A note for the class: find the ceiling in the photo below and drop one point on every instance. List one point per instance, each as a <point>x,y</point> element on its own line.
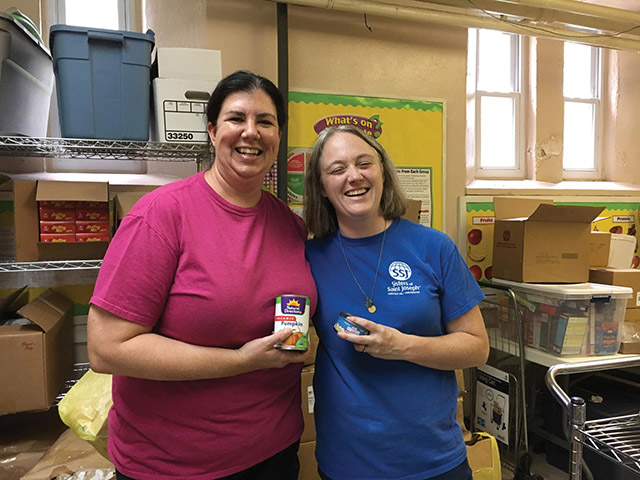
<point>605,23</point>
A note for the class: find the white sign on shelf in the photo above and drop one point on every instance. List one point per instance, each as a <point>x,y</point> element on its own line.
<point>492,403</point>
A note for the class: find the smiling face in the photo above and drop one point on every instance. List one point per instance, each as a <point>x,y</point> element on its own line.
<point>246,138</point>
<point>352,180</point>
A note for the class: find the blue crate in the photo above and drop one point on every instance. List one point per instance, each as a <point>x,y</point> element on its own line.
<point>102,82</point>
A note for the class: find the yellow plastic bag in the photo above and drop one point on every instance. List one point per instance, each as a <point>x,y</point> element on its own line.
<point>84,409</point>
<point>484,457</point>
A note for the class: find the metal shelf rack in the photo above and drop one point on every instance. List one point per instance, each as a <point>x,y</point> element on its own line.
<point>615,438</point>
<point>104,149</point>
<point>61,265</point>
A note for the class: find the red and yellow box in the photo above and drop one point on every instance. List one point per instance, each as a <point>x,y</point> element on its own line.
<point>94,214</point>
<point>58,227</point>
<point>57,237</point>
<point>92,237</point>
<point>91,227</point>
<point>51,214</point>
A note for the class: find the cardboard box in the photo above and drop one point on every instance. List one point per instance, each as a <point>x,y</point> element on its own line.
<point>308,464</point>
<point>548,245</point>
<point>627,277</point>
<point>188,63</point>
<point>308,402</point>
<point>314,341</point>
<point>629,347</point>
<point>413,210</point>
<point>179,111</point>
<point>36,358</point>
<point>632,315</point>
<point>77,192</point>
<point>123,202</point>
<point>611,250</point>
<point>185,79</point>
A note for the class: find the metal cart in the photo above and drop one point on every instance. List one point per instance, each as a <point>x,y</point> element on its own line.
<point>506,339</point>
<point>617,438</point>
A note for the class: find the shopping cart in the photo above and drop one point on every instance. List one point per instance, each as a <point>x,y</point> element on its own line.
<point>616,438</point>
<point>507,354</point>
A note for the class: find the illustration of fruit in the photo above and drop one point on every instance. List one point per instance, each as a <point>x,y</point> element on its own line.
<point>635,261</point>
<point>477,271</point>
<point>616,229</point>
<point>474,236</point>
<point>488,272</point>
<point>632,230</point>
<point>475,258</point>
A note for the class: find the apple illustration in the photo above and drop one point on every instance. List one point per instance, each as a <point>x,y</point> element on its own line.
<point>477,272</point>
<point>616,229</point>
<point>488,272</point>
<point>635,261</point>
<point>474,236</point>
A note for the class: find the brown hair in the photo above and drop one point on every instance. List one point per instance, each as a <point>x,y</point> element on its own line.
<point>319,213</point>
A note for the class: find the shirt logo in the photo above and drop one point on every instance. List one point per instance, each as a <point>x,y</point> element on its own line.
<point>400,271</point>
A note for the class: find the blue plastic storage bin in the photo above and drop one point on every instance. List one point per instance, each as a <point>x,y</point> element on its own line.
<point>102,82</point>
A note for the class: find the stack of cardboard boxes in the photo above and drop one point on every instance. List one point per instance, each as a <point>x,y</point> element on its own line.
<point>610,266</point>
<point>307,452</point>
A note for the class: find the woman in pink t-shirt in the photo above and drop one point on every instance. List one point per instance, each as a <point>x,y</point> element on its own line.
<point>182,311</point>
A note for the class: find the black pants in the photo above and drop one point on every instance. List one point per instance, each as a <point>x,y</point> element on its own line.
<point>284,465</point>
<point>461,472</point>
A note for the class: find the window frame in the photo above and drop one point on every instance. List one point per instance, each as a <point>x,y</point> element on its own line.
<point>518,170</point>
<point>594,173</point>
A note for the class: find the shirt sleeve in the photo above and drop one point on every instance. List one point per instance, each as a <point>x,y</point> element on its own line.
<point>460,291</point>
<point>137,272</point>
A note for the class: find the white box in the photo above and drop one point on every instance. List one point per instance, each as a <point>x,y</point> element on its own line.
<point>189,63</point>
<point>179,112</point>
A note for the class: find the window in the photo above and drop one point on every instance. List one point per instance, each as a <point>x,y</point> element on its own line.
<point>582,129</point>
<point>498,138</point>
<point>106,14</point>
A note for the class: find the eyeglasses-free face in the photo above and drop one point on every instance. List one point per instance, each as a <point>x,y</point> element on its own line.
<point>352,178</point>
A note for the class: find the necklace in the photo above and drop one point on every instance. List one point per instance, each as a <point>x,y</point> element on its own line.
<point>368,302</point>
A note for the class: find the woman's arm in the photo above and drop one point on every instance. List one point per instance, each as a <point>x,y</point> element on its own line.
<point>121,347</point>
<point>464,345</point>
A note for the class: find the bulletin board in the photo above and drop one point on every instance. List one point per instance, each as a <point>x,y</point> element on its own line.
<point>476,220</point>
<point>411,131</point>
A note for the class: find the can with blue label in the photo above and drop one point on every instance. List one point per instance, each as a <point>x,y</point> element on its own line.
<point>344,325</point>
<point>293,311</point>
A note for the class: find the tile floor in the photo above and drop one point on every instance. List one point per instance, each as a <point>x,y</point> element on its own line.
<point>539,467</point>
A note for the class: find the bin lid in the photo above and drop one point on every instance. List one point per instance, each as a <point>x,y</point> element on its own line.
<point>149,36</point>
<point>568,290</point>
<point>10,22</point>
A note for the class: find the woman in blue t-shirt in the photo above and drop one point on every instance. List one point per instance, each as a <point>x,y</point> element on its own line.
<point>385,401</point>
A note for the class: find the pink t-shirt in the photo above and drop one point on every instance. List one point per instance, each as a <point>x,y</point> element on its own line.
<point>201,270</point>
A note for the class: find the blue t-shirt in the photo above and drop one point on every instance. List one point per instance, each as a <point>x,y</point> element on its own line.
<point>388,419</point>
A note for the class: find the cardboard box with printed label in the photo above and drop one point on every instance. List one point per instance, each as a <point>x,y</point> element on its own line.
<point>185,79</point>
<point>537,242</point>
<point>36,353</point>
<point>611,250</point>
<point>27,194</point>
<point>308,463</point>
<point>123,202</point>
<point>627,277</point>
<point>308,402</point>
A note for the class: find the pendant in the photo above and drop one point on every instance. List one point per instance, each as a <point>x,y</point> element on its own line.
<point>370,306</point>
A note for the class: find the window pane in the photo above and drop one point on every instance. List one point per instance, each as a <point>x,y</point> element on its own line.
<point>578,71</point>
<point>497,133</point>
<point>494,61</point>
<point>94,13</point>
<point>579,142</point>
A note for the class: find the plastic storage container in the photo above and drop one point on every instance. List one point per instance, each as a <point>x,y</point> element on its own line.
<point>102,82</point>
<point>26,80</point>
<point>571,319</point>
